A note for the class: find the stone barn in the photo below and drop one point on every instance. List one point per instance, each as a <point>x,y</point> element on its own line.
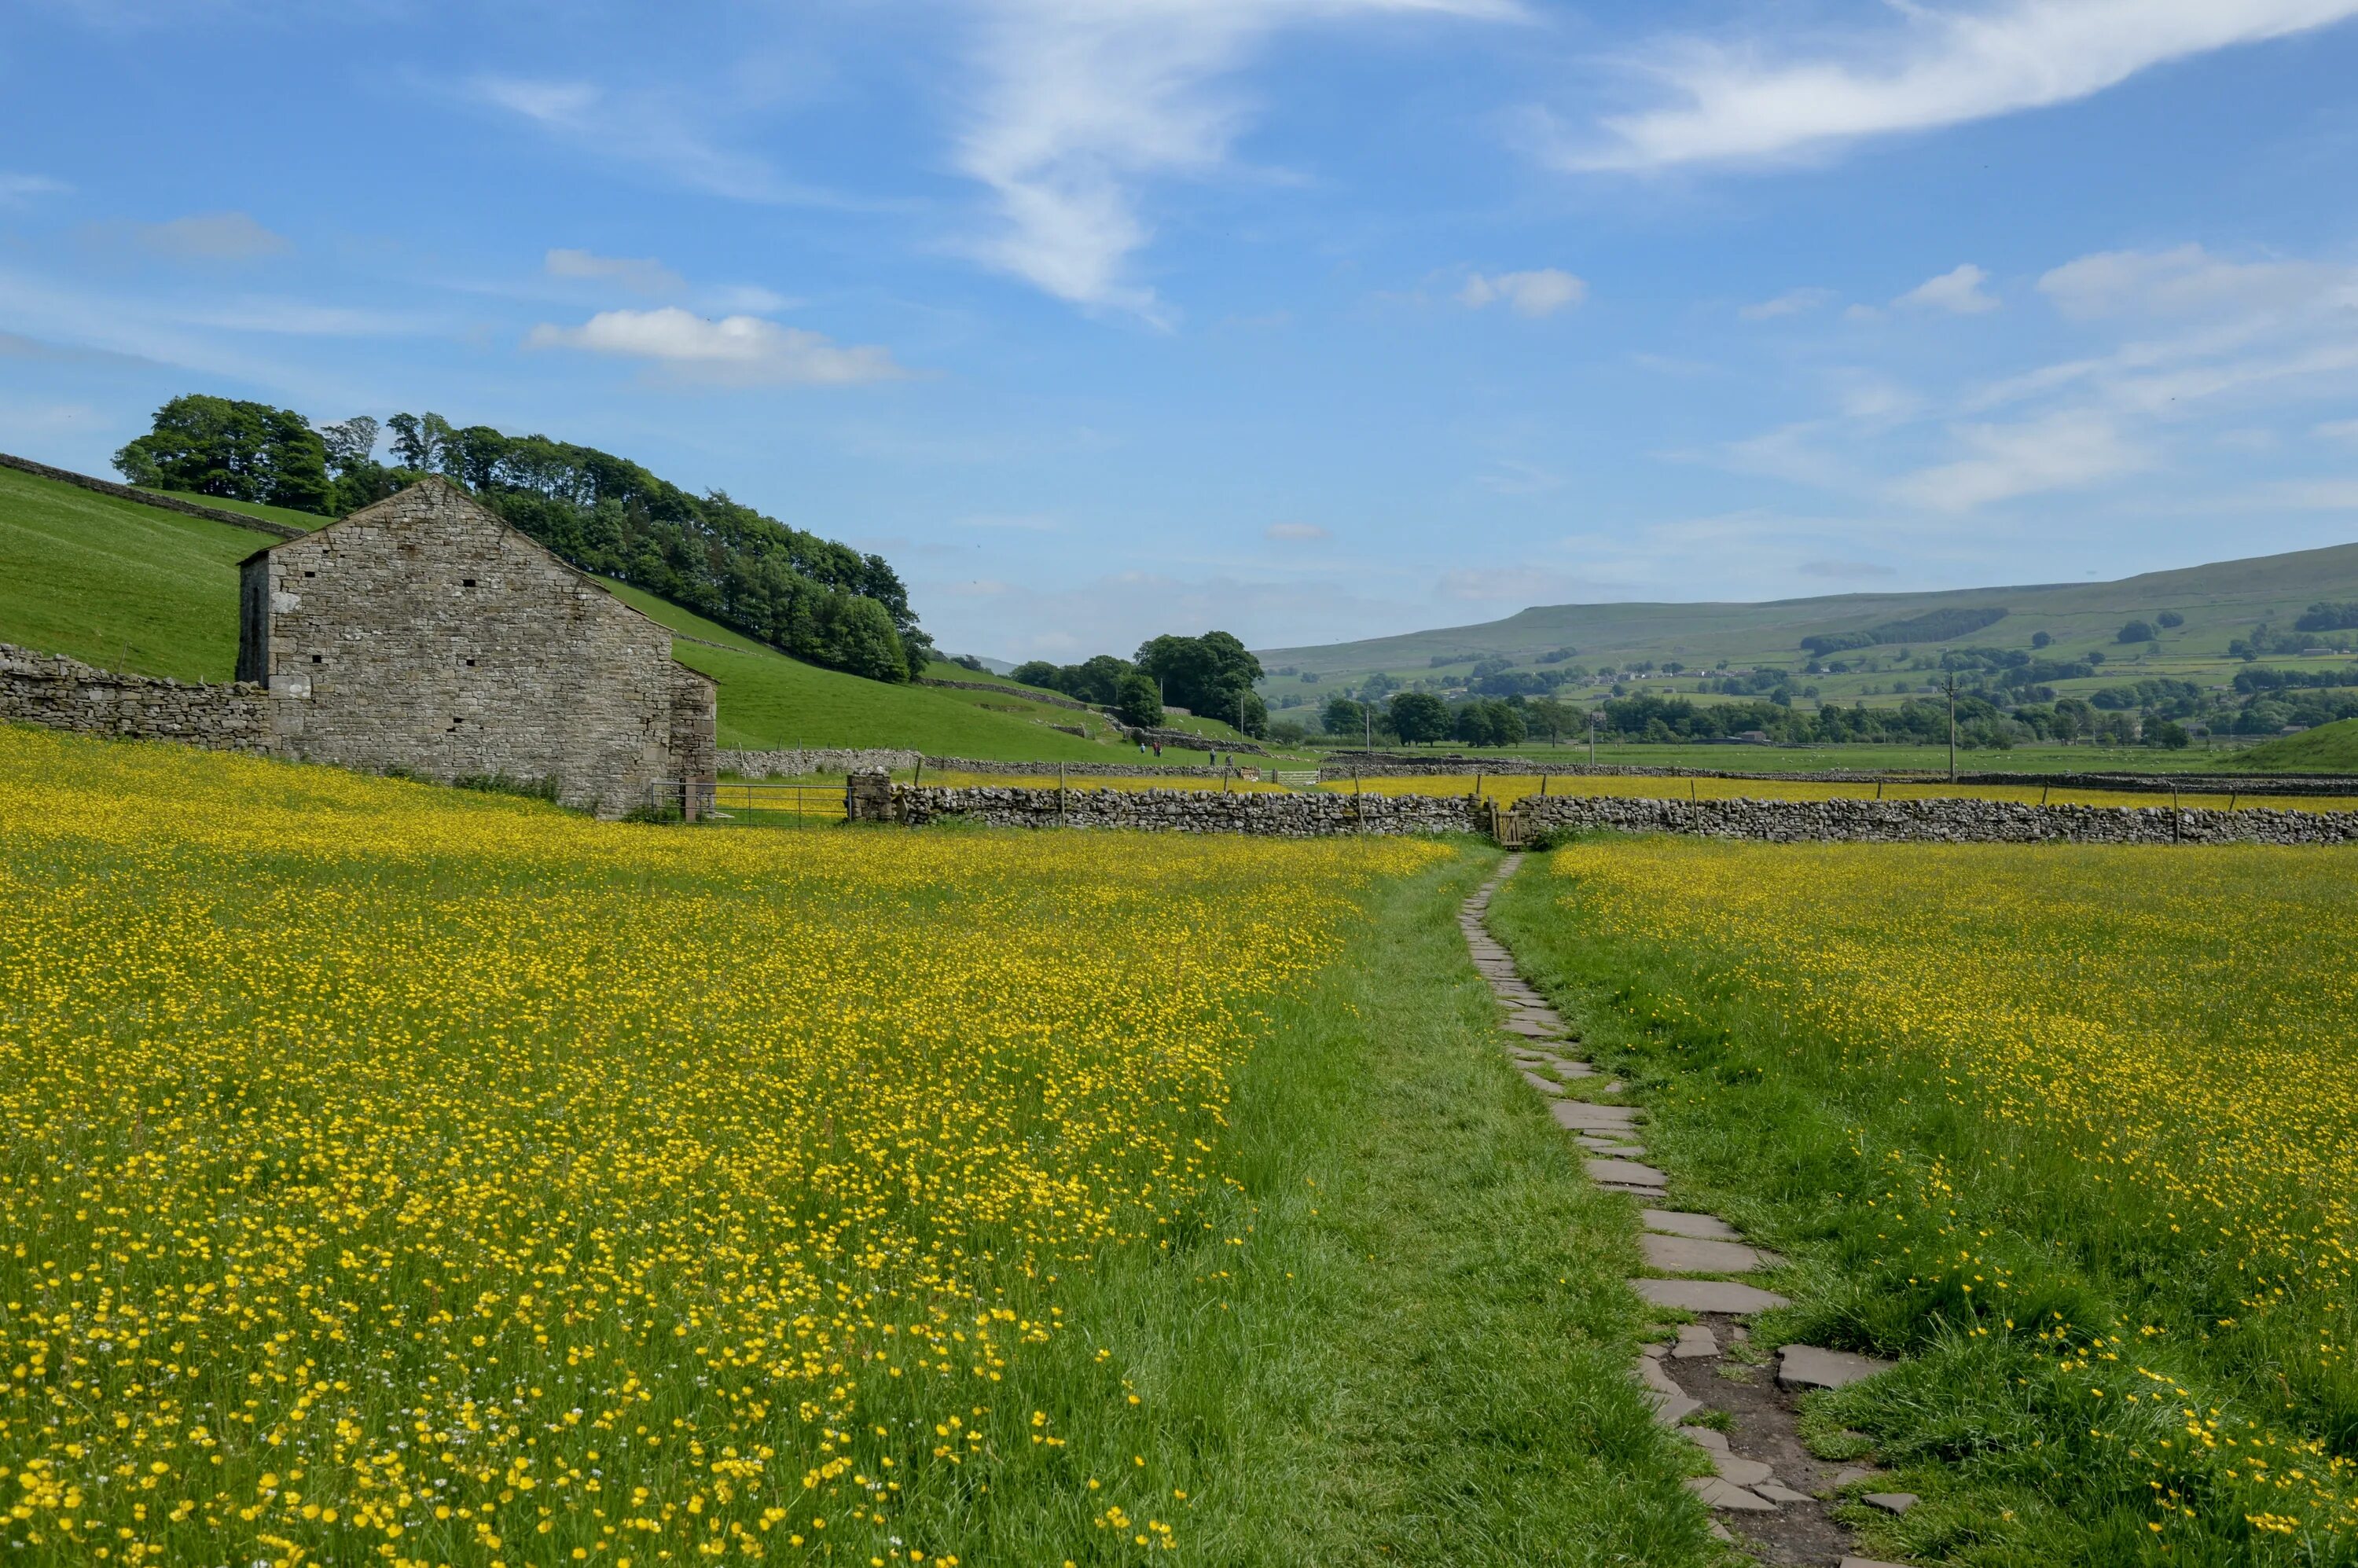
<point>423,634</point>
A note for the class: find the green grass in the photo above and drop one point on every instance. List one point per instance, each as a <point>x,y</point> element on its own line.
<point>117,584</point>
<point>768,700</point>
<point>1862,759</point>
<point>2086,1123</point>
<point>2328,749</point>
<point>306,521</point>
<point>550,1152</point>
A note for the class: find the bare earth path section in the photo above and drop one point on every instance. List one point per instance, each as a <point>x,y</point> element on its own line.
<point>1771,1494</point>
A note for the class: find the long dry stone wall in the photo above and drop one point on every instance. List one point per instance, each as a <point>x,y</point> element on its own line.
<point>58,693</point>
<point>1185,810</point>
<point>1776,821</point>
<point>150,498</point>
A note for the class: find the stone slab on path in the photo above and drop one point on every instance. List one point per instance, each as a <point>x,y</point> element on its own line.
<point>1545,1086</point>
<point>1533,1025</point>
<point>1741,1471</point>
<point>1695,1339</point>
<point>1869,1562</point>
<point>1624,1174</point>
<point>1808,1367</point>
<point>1708,1295</point>
<point>1676,1222</point>
<point>1584,1116</point>
<point>1891,1502</point>
<point>1718,1494</point>
<point>1694,1255</point>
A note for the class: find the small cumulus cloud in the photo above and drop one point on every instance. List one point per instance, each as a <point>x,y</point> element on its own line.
<point>641,274</point>
<point>211,237</point>
<point>1297,533</point>
<point>740,350</point>
<point>2063,451</point>
<point>1540,293</point>
<point>1843,571</point>
<point>1958,291</point>
<point>1792,302</point>
<point>16,187</point>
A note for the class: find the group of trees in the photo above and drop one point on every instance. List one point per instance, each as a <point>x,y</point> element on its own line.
<point>807,596</point>
<point>1211,675</point>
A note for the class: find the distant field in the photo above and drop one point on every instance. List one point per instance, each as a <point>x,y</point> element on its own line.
<point>1208,780</point>
<point>1876,759</point>
<point>2328,749</point>
<point>1510,787</point>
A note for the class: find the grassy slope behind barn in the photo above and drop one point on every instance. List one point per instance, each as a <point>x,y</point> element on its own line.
<point>150,591</point>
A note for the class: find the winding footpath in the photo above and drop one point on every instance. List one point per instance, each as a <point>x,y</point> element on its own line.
<point>1771,1494</point>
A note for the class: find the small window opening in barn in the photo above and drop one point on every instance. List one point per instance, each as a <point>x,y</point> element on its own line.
<point>467,582</point>
<point>315,658</point>
<point>471,664</point>
<point>310,574</point>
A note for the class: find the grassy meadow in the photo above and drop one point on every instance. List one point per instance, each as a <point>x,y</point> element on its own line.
<point>413,1176</point>
<point>2072,1130</point>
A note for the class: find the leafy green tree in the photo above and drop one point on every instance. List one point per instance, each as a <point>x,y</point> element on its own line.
<point>1136,701</point>
<point>1419,716</point>
<point>220,445</point>
<point>2135,631</point>
<point>2170,620</point>
<point>350,443</point>
<point>1343,717</point>
<point>1207,675</point>
<point>2041,639</point>
<point>1035,672</point>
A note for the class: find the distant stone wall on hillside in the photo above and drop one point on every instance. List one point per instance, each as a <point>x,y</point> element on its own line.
<point>151,498</point>
<point>1341,766</point>
<point>794,763</point>
<point>59,693</point>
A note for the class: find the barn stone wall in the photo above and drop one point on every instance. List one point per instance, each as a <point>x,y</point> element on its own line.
<point>424,633</point>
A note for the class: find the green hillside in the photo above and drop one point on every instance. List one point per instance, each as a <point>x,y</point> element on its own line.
<point>2219,602</point>
<point>155,593</point>
<point>769,700</point>
<point>2328,749</point>
<point>306,521</point>
<point>115,583</point>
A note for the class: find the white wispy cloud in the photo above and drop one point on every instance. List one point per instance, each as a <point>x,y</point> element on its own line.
<point>2066,451</point>
<point>1540,293</point>
<point>1958,290</point>
<point>2337,431</point>
<point>1792,302</point>
<point>16,187</point>
<point>666,133</point>
<point>641,274</point>
<point>1738,99</point>
<point>734,350</point>
<point>1296,533</point>
<point>211,237</point>
<point>1081,103</point>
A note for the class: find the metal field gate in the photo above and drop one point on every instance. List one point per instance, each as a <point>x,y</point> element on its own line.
<point>750,802</point>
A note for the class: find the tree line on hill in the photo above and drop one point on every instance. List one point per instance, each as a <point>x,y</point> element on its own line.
<point>1211,676</point>
<point>810,597</point>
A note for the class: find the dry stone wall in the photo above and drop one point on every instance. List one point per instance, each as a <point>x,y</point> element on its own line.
<point>1940,821</point>
<point>58,693</point>
<point>1342,766</point>
<point>151,498</point>
<point>1185,811</point>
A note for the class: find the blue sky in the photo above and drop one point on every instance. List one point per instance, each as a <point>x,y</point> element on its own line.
<point>1304,318</point>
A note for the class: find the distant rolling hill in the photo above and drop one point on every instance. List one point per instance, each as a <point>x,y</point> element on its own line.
<point>2219,602</point>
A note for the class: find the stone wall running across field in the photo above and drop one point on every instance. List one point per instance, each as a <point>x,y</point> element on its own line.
<point>58,693</point>
<point>151,498</point>
<point>1946,821</point>
<point>1294,815</point>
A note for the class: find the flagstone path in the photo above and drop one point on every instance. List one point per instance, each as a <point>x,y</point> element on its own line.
<point>1770,1492</point>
